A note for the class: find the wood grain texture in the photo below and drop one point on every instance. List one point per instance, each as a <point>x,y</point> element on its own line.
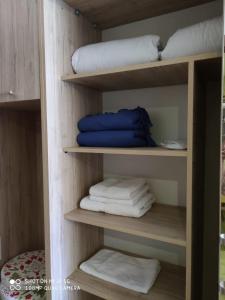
<point>112,13</point>
<point>22,105</point>
<point>141,76</point>
<point>162,223</point>
<point>21,199</point>
<point>160,73</point>
<point>19,50</point>
<point>157,151</point>
<point>44,143</point>
<point>170,285</point>
<point>67,178</point>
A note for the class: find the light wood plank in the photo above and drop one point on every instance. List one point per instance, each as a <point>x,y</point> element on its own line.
<point>19,71</point>
<point>160,73</point>
<point>44,144</point>
<point>157,151</point>
<point>170,285</point>
<point>25,105</point>
<point>162,223</point>
<point>66,179</point>
<point>111,13</point>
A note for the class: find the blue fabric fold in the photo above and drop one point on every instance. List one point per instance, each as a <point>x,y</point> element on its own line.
<point>119,138</point>
<point>124,119</point>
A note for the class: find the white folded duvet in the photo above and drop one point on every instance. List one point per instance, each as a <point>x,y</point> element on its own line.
<point>117,53</point>
<point>199,38</point>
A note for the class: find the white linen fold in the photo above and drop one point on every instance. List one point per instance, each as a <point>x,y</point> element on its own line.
<point>132,201</point>
<point>138,274</point>
<point>136,211</point>
<point>117,188</point>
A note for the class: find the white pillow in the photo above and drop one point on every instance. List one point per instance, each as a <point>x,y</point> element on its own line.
<point>199,38</point>
<point>118,53</point>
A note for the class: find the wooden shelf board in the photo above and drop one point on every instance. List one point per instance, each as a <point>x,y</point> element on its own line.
<point>160,73</point>
<point>110,13</point>
<point>162,223</point>
<point>156,151</point>
<point>21,105</point>
<point>170,285</point>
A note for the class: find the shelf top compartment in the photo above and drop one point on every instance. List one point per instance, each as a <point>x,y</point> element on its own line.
<point>105,14</point>
<point>170,285</point>
<point>156,151</point>
<point>162,223</point>
<point>159,73</point>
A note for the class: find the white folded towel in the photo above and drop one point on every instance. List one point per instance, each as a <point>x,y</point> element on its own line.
<point>118,188</point>
<point>132,202</point>
<point>136,211</point>
<point>130,272</point>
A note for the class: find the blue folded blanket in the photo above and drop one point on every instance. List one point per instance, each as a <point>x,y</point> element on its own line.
<point>124,119</point>
<point>120,138</point>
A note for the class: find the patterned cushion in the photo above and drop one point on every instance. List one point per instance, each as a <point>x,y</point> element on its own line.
<point>26,271</point>
<point>6,294</point>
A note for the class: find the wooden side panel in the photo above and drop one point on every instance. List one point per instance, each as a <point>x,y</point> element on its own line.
<point>21,201</point>
<point>206,185</point>
<point>198,185</point>
<point>190,117</point>
<point>67,176</point>
<point>212,191</point>
<point>19,54</point>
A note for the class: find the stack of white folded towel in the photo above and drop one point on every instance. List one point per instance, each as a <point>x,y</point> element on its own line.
<point>138,274</point>
<point>117,196</point>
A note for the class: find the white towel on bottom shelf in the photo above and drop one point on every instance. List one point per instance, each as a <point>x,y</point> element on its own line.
<point>136,211</point>
<point>131,201</point>
<point>118,188</point>
<point>130,272</point>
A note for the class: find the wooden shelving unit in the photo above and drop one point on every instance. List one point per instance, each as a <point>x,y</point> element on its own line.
<point>160,73</point>
<point>111,13</point>
<point>172,225</point>
<point>68,177</point>
<point>162,223</point>
<point>128,151</point>
<point>170,285</point>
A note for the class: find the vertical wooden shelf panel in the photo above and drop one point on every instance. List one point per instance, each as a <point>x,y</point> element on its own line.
<point>68,178</point>
<point>190,112</point>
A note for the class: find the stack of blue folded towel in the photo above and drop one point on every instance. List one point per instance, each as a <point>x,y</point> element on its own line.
<point>126,128</point>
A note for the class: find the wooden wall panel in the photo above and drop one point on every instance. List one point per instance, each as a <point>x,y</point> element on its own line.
<point>21,201</point>
<point>67,177</point>
<point>19,54</point>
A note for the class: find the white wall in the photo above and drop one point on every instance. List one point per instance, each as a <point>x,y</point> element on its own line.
<point>167,24</point>
<point>167,109</point>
